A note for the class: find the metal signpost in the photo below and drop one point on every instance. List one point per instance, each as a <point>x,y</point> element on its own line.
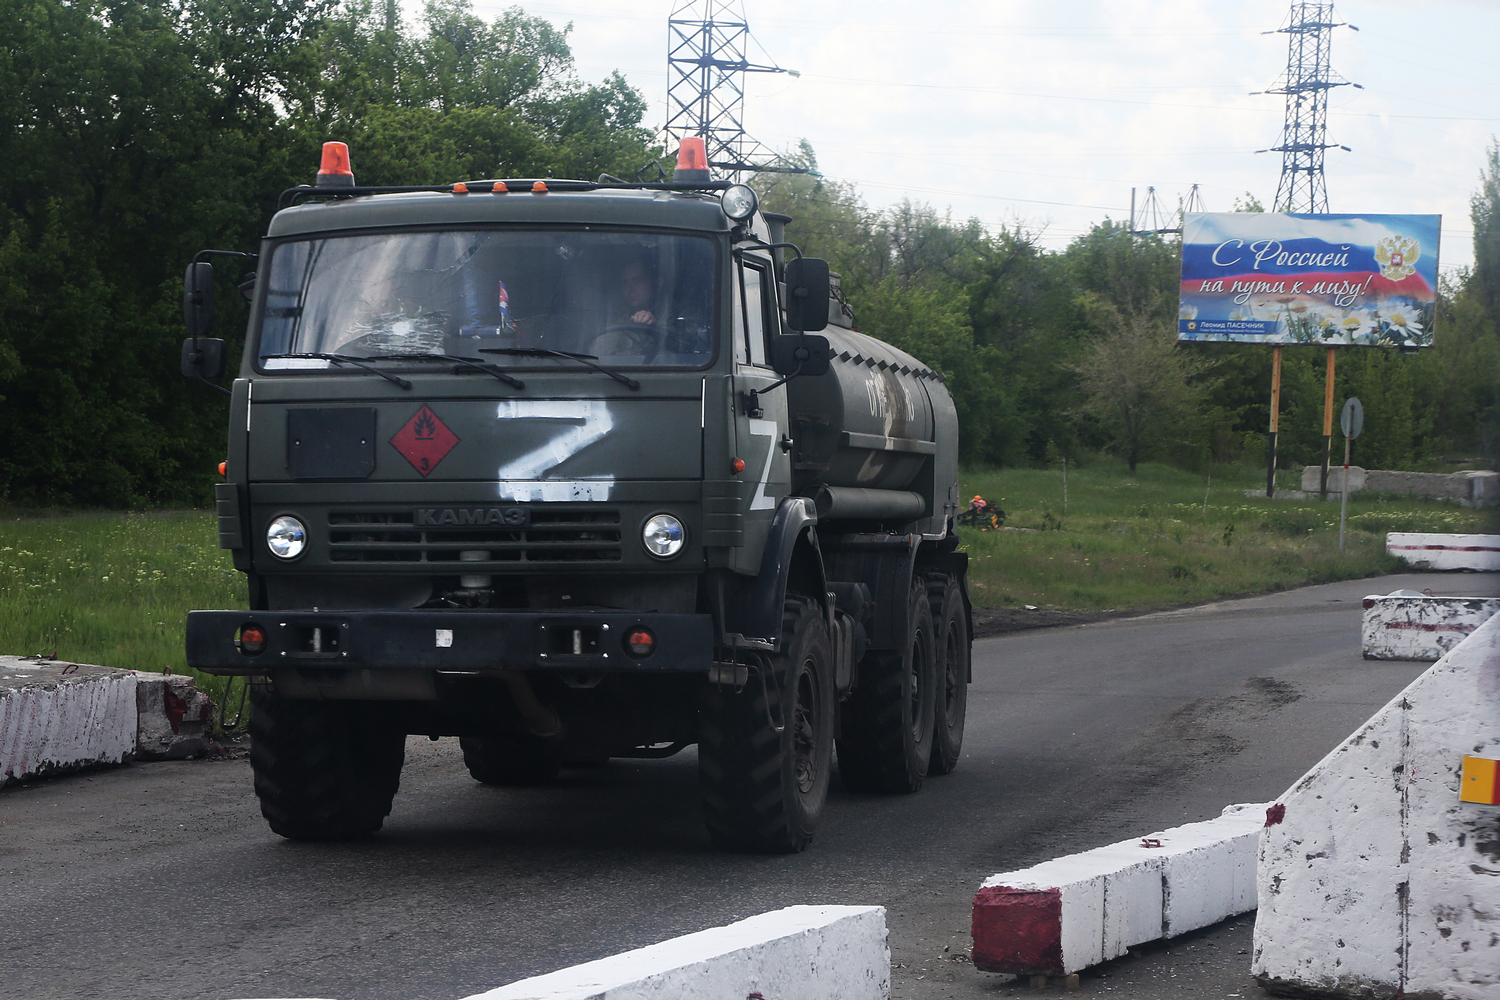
<point>1351,422</point>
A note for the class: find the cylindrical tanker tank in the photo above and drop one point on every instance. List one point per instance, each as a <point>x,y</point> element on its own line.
<point>878,420</point>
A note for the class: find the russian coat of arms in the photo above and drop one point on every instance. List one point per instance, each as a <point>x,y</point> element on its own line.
<point>1396,255</point>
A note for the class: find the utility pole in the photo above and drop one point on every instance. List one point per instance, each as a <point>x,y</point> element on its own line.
<point>706,61</point>
<point>1154,219</point>
<point>1304,135</point>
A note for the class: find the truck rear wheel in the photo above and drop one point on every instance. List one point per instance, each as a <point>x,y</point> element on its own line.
<point>511,760</point>
<point>951,641</point>
<point>764,790</point>
<point>885,738</point>
<point>324,770</point>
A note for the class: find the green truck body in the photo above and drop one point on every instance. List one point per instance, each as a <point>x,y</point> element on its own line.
<point>547,471</point>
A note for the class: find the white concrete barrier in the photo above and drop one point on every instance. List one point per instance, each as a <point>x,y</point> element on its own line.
<point>1410,626</point>
<point>56,715</point>
<point>1443,551</point>
<point>1067,914</point>
<point>1379,881</point>
<point>812,952</point>
<point>175,718</point>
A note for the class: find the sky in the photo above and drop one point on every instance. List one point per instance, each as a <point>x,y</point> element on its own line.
<point>1047,114</point>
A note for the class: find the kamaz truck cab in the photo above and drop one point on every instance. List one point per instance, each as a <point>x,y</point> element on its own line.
<point>561,468</point>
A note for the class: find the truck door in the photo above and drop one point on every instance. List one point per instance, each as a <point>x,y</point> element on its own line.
<point>760,437</point>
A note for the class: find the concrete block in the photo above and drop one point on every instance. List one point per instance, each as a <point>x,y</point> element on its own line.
<point>1471,489</point>
<point>1484,488</point>
<point>57,716</point>
<point>1405,626</point>
<point>1445,551</point>
<point>1312,476</point>
<point>1379,880</point>
<point>1208,870</point>
<point>801,951</point>
<point>176,719</point>
<point>1067,914</point>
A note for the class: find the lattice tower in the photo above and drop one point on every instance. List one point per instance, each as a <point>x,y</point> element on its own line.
<point>1309,77</point>
<point>706,62</point>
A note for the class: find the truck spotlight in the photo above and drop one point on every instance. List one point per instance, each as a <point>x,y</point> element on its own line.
<point>663,536</point>
<point>252,639</point>
<point>639,641</point>
<point>738,202</point>
<point>286,537</point>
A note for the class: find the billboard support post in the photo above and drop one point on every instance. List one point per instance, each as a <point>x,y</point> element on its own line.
<point>1327,425</point>
<point>1275,420</point>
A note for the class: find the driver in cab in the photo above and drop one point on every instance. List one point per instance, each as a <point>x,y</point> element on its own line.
<point>632,319</point>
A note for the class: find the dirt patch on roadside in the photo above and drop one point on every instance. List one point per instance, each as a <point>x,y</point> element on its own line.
<point>998,621</point>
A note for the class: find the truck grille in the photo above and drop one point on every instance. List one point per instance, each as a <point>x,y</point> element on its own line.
<point>554,536</point>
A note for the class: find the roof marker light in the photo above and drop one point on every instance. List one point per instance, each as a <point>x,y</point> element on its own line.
<point>335,170</point>
<point>692,161</point>
<point>499,188</point>
<point>540,187</point>
<point>460,188</point>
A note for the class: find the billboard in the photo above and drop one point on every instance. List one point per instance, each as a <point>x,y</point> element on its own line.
<point>1334,280</point>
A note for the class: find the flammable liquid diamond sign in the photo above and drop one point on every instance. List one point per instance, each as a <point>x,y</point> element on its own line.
<point>1333,280</point>
<point>424,441</point>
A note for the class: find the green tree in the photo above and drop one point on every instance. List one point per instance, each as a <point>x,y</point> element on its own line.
<point>1136,380</point>
<point>1485,213</point>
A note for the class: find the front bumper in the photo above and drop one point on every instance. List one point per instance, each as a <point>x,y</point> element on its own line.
<point>447,641</point>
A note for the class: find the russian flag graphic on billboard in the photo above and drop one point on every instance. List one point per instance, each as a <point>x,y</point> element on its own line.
<point>1335,280</point>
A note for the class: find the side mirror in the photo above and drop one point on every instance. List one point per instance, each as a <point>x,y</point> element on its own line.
<point>806,294</point>
<point>202,358</point>
<point>799,355</point>
<point>198,298</point>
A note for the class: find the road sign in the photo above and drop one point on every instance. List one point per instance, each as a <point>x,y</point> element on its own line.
<point>1352,418</point>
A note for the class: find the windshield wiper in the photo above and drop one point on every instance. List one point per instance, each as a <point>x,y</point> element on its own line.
<point>547,352</point>
<point>344,359</point>
<point>475,363</point>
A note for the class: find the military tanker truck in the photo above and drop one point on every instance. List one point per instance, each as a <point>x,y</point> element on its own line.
<point>565,469</point>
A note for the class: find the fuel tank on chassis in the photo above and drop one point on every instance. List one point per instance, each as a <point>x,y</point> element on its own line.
<point>404,493</point>
<point>878,420</point>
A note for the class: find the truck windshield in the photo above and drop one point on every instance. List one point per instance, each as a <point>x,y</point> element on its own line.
<point>628,299</point>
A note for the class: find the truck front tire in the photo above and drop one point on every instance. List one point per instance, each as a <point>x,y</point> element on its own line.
<point>764,790</point>
<point>324,770</point>
<point>885,738</point>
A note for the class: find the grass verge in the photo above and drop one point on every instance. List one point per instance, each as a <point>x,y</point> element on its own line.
<point>1165,536</point>
<point>112,589</point>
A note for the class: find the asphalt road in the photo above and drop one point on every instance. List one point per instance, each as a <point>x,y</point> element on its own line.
<point>157,880</point>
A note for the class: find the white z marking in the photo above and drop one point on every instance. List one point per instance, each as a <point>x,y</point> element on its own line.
<point>766,429</point>
<point>522,479</point>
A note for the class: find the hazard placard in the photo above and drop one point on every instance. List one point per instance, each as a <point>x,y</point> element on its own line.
<point>1480,781</point>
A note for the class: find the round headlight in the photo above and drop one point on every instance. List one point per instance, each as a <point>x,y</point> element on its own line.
<point>286,537</point>
<point>739,202</point>
<point>663,536</point>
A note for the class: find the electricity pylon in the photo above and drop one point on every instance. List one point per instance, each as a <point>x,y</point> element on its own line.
<point>1309,77</point>
<point>706,63</point>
